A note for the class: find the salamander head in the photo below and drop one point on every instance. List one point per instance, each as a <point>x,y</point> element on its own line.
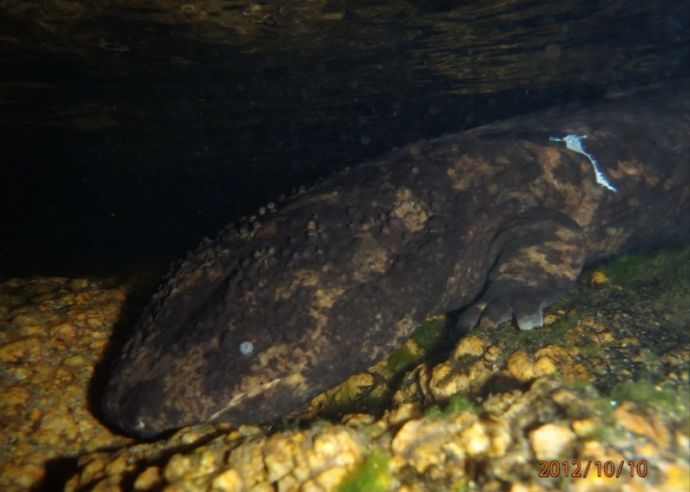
<point>238,378</point>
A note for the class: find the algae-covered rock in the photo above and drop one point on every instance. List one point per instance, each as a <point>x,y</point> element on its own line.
<point>590,387</point>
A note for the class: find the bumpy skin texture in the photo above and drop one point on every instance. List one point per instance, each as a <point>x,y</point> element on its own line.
<point>497,220</point>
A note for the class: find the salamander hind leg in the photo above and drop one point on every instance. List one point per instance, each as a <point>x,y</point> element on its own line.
<point>540,256</point>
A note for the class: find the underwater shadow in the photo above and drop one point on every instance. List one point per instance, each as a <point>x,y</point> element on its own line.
<point>138,296</point>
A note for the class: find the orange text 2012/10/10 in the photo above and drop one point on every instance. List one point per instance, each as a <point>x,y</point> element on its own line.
<point>585,468</point>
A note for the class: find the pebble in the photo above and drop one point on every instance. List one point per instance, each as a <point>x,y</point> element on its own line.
<point>551,441</point>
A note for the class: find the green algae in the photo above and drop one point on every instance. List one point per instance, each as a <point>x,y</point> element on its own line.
<point>662,275</point>
<point>456,404</point>
<point>464,484</point>
<point>512,339</point>
<point>429,334</point>
<point>646,393</point>
<point>404,358</point>
<point>642,392</point>
<point>669,266</point>
<point>371,475</point>
<point>425,338</point>
<point>606,431</point>
<point>590,350</point>
<point>350,397</point>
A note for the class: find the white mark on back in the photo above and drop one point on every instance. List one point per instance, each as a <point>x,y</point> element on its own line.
<point>574,143</point>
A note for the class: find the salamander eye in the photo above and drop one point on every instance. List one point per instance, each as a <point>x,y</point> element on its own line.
<point>246,348</point>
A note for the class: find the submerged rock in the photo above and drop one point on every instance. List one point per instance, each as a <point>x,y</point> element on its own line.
<point>574,392</point>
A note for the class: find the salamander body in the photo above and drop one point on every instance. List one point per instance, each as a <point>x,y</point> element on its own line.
<point>497,221</point>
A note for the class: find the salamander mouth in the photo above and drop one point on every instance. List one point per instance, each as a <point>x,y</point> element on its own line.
<point>268,401</point>
<point>131,411</point>
<point>241,398</point>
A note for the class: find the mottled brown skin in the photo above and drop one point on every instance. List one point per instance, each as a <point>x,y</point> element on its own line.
<point>497,220</point>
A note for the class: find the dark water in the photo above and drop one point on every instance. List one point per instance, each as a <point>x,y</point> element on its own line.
<point>128,133</point>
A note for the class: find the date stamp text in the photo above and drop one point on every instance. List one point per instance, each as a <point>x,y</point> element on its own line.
<point>585,468</point>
